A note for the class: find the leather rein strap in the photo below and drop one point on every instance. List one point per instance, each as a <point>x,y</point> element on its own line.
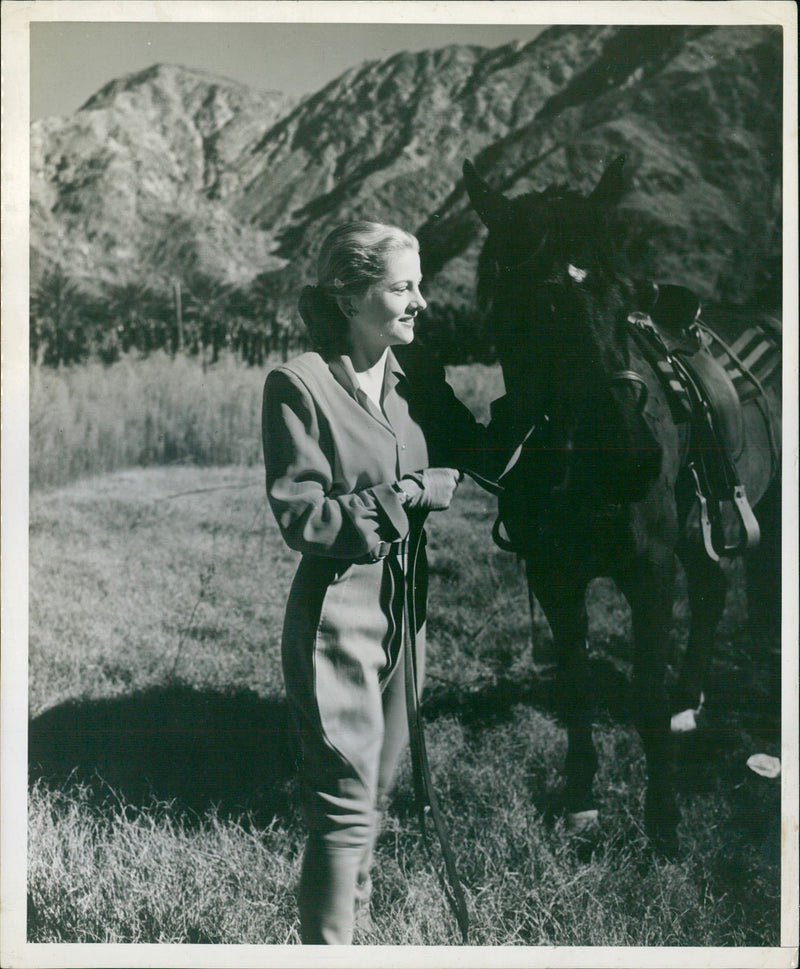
<point>425,796</point>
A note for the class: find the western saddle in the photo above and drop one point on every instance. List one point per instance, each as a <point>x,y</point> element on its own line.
<point>706,382</point>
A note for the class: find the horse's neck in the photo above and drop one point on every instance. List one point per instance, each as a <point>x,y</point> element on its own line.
<point>528,390</point>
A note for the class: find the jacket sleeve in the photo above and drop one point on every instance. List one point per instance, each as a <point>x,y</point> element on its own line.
<point>455,438</point>
<point>313,519</point>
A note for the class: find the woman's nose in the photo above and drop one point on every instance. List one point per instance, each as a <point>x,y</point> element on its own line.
<point>418,299</point>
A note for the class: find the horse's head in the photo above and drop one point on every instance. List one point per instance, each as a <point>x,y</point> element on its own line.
<point>559,316</point>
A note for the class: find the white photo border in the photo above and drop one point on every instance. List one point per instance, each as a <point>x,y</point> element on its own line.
<point>17,16</point>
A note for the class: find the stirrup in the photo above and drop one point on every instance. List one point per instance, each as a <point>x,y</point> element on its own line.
<point>711,522</point>
<point>749,531</point>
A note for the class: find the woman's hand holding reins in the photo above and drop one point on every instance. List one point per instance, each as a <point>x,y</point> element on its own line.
<point>431,489</point>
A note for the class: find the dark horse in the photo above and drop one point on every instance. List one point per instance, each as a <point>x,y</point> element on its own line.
<point>603,486</point>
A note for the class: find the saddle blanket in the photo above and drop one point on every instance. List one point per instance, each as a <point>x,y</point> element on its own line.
<point>698,362</point>
<point>755,354</point>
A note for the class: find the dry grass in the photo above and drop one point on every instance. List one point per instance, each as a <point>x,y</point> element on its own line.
<point>91,419</point>
<point>165,807</point>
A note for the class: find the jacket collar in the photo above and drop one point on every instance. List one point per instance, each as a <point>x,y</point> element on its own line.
<point>341,367</point>
<point>342,370</point>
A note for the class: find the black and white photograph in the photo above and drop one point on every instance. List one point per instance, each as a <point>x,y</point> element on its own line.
<point>399,550</point>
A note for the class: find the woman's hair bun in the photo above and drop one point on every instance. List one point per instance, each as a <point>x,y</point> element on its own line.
<point>324,320</point>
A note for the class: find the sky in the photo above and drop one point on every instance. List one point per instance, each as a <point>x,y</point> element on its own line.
<point>71,61</point>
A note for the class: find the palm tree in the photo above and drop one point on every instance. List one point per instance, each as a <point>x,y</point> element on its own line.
<point>138,314</point>
<point>58,318</point>
<point>208,304</point>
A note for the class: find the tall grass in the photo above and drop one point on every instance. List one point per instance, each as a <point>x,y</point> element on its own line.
<point>94,418</point>
<point>91,419</point>
<point>154,875</point>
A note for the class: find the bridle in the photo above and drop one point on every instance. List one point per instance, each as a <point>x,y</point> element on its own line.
<point>615,379</point>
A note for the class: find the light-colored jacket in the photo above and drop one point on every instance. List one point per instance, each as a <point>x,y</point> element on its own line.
<point>333,458</point>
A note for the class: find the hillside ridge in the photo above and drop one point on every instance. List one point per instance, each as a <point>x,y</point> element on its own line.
<point>172,172</point>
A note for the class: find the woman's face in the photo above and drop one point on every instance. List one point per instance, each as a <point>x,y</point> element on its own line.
<point>385,314</point>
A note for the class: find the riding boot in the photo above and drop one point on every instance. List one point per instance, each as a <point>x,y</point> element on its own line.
<point>363,917</point>
<point>327,892</point>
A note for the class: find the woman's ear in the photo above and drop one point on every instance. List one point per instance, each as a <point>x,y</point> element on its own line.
<point>345,304</point>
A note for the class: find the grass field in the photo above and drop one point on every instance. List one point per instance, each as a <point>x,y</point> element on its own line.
<point>163,803</point>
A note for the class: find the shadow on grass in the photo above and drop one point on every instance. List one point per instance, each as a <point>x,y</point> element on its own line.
<point>234,750</point>
<point>199,748</point>
<point>494,703</point>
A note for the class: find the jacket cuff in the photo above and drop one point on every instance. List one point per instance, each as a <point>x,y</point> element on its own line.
<point>390,502</point>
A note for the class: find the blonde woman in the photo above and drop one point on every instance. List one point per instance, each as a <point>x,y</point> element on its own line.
<point>356,444</point>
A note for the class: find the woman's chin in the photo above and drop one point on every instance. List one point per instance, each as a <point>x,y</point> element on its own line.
<point>404,333</point>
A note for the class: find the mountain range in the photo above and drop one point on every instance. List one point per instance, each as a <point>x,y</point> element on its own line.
<point>170,173</point>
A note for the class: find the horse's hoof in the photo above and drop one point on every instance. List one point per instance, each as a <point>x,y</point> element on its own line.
<point>665,845</point>
<point>764,765</point>
<point>683,722</point>
<point>663,838</point>
<point>661,819</point>
<point>582,822</point>
<point>686,720</point>
<point>584,833</point>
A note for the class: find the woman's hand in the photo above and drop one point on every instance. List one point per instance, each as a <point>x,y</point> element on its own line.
<point>431,489</point>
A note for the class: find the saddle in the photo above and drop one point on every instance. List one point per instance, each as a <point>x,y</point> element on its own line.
<point>701,390</point>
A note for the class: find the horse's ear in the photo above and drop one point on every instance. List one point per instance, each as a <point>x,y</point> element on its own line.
<point>489,205</point>
<point>611,187</point>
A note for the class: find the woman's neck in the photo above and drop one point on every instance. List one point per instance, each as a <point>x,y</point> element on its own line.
<point>371,381</point>
<point>367,363</point>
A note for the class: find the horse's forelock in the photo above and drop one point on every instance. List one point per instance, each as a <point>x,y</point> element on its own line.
<point>554,193</point>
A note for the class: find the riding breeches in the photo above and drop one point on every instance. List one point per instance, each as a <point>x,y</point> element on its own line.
<point>342,659</point>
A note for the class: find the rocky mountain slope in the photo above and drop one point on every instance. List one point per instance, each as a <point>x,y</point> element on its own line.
<point>130,186</point>
<point>171,172</point>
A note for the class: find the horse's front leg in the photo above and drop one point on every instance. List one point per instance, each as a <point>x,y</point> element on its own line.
<point>649,588</point>
<point>706,587</point>
<point>561,594</point>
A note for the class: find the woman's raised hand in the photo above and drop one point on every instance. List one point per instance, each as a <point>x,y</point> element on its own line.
<point>431,489</point>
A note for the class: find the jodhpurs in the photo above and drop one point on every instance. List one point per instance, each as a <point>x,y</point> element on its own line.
<point>343,667</point>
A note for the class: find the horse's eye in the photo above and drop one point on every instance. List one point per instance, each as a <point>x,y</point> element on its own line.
<point>577,274</point>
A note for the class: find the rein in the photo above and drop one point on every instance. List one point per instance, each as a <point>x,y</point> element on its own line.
<point>616,379</point>
<point>424,794</point>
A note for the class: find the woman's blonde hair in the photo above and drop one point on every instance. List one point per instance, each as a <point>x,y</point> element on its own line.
<point>352,257</point>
